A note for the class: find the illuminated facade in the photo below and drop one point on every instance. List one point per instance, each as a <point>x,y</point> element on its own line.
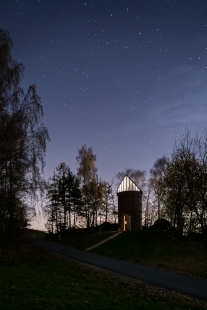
<point>129,205</point>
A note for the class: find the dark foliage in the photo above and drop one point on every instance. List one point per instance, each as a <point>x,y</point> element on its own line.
<point>23,140</point>
<point>161,224</point>
<point>107,226</point>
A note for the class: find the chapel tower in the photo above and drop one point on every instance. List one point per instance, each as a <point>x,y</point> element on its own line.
<point>129,205</point>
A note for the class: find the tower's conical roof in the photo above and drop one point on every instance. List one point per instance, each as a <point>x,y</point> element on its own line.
<point>128,185</point>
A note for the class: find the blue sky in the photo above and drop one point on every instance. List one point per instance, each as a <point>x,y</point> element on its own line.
<point>122,77</point>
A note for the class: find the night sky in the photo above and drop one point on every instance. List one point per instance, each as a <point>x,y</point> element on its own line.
<point>122,77</point>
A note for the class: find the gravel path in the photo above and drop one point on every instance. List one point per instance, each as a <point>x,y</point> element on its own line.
<point>184,284</point>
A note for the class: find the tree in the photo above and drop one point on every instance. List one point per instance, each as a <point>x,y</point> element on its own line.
<point>192,151</point>
<point>171,190</point>
<point>87,170</point>
<point>73,197</point>
<point>23,140</point>
<point>63,171</point>
<point>108,202</point>
<point>148,215</point>
<point>182,187</point>
<point>93,193</point>
<point>174,185</point>
<point>156,175</point>
<point>52,208</point>
<point>64,197</point>
<point>92,189</point>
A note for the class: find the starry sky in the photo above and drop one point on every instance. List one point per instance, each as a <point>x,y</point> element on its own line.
<point>123,77</point>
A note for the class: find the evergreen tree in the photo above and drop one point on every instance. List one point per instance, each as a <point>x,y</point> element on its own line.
<point>64,199</point>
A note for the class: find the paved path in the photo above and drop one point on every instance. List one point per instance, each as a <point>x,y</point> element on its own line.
<point>187,285</point>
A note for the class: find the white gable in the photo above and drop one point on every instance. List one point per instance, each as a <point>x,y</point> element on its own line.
<point>127,185</point>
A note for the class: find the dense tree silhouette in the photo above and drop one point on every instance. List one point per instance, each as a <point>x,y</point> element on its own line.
<point>23,140</point>
<point>182,185</point>
<point>64,200</point>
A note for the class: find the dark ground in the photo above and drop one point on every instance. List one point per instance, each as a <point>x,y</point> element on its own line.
<point>184,284</point>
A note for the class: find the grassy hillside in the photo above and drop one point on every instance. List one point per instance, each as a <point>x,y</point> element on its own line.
<point>32,277</point>
<point>81,239</point>
<point>156,248</point>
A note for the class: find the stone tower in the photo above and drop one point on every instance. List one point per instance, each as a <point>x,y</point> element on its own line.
<point>129,205</point>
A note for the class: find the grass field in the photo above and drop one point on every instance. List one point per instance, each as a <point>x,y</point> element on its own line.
<point>156,248</point>
<point>80,239</point>
<point>32,277</point>
<point>148,247</point>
